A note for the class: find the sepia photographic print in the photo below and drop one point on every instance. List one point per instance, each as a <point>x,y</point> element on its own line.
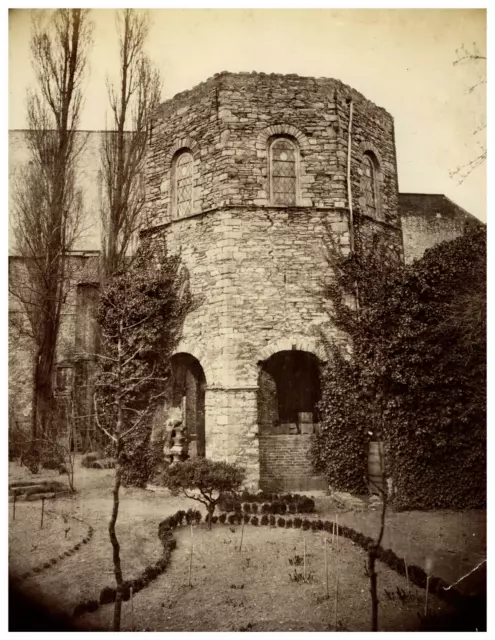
<point>247,320</point>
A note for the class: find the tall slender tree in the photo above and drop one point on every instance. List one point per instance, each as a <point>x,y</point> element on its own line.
<point>123,149</point>
<point>47,205</point>
<point>140,314</point>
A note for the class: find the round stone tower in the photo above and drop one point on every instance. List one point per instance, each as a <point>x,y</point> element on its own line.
<point>246,175</point>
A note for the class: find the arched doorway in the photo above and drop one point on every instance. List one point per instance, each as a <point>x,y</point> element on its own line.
<point>288,395</point>
<point>289,390</point>
<point>188,385</point>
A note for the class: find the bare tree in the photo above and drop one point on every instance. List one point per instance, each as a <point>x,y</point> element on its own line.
<point>472,56</point>
<point>47,204</point>
<point>140,315</point>
<point>124,145</point>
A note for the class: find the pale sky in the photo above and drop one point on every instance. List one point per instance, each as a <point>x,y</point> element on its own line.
<point>400,59</point>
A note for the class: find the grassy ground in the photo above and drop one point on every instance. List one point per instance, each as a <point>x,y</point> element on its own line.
<point>252,589</point>
<point>455,542</point>
<point>30,545</point>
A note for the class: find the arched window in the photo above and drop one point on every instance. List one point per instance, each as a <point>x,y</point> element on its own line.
<point>370,188</point>
<point>182,195</point>
<point>283,171</point>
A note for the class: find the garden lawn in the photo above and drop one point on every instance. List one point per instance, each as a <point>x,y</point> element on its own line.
<point>458,542</point>
<point>30,545</point>
<point>252,589</point>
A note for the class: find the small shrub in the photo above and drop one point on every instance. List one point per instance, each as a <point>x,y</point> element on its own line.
<point>246,507</point>
<point>266,507</point>
<point>211,478</point>
<point>264,520</point>
<point>92,605</point>
<point>254,507</point>
<point>107,595</point>
<point>246,517</point>
<point>79,609</point>
<point>288,523</point>
<point>214,519</point>
<point>281,522</point>
<point>222,517</point>
<point>232,518</point>
<point>254,521</point>
<point>292,507</point>
<point>297,523</point>
<point>306,524</point>
<point>272,520</point>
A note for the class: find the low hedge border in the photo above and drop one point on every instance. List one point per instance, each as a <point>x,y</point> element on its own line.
<point>276,504</point>
<point>40,568</point>
<point>417,575</point>
<point>165,535</point>
<point>95,460</point>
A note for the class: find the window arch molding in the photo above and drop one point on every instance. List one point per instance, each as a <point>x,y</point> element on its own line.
<point>275,130</point>
<point>284,169</point>
<point>371,181</point>
<point>263,145</point>
<point>168,187</point>
<point>182,184</point>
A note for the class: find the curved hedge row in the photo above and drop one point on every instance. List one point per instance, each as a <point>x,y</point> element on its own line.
<point>65,554</point>
<point>266,503</point>
<point>416,574</point>
<point>108,594</point>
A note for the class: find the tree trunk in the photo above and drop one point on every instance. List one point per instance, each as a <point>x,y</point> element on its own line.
<point>211,509</point>
<point>118,474</point>
<point>116,546</point>
<point>34,408</point>
<point>373,588</point>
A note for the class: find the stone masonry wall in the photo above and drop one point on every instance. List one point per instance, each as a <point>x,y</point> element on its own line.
<point>427,220</point>
<point>228,121</point>
<point>257,271</point>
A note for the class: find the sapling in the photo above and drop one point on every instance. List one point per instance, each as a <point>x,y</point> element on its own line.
<point>132,608</point>
<point>429,564</point>
<point>242,536</point>
<point>191,557</point>
<point>326,567</point>
<point>304,556</point>
<point>336,595</point>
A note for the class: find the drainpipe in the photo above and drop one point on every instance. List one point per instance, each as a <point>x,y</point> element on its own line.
<point>349,195</point>
<point>349,186</point>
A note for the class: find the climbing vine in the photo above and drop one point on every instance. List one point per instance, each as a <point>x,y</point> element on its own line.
<point>141,313</point>
<point>413,374</point>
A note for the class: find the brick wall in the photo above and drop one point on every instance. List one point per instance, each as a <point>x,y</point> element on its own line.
<point>285,464</point>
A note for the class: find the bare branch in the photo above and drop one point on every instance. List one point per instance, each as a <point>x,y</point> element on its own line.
<point>124,145</point>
